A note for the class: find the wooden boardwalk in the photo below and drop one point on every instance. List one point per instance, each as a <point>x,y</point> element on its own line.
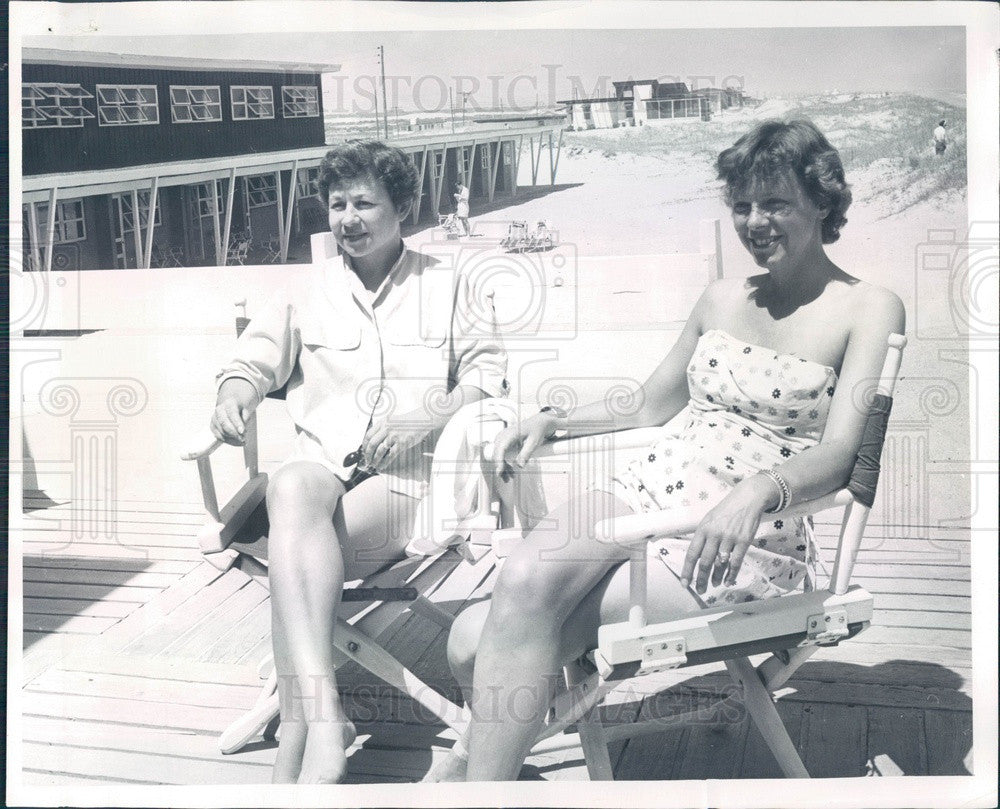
<point>138,653</point>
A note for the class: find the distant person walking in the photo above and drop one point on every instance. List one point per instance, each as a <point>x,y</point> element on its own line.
<point>462,206</point>
<point>940,138</point>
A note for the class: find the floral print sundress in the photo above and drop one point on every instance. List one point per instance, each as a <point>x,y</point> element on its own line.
<point>750,409</point>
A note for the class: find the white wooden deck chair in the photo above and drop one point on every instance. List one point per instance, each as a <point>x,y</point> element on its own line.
<point>790,628</point>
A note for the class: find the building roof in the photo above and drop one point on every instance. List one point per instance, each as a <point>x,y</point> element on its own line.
<point>55,56</point>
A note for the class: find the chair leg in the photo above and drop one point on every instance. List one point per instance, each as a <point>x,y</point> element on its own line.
<point>595,747</point>
<point>760,705</point>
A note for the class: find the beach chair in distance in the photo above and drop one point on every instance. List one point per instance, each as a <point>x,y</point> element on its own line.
<point>235,535</point>
<point>238,252</point>
<point>790,628</point>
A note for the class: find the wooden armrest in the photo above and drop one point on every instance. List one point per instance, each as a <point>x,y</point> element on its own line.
<point>624,439</point>
<point>635,529</point>
<point>201,446</point>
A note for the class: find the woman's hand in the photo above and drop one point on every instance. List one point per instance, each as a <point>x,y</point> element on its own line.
<point>723,536</point>
<point>522,438</point>
<point>386,442</point>
<point>234,405</point>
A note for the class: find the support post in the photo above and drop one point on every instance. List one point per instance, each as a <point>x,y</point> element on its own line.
<point>136,228</point>
<point>36,245</point>
<point>279,206</point>
<point>220,249</point>
<point>227,227</point>
<point>535,160</point>
<point>554,163</point>
<point>710,241</point>
<point>494,164</point>
<point>147,258</point>
<point>293,186</point>
<point>50,229</point>
<point>420,185</point>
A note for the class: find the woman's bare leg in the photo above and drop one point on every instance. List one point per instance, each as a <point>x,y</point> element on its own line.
<point>316,532</point>
<point>545,612</point>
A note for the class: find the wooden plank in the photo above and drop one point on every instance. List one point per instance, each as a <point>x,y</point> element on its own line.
<point>866,656</point>
<point>120,686</point>
<point>163,633</point>
<point>243,637</point>
<point>217,623</point>
<point>652,758</point>
<point>100,660</point>
<point>76,563</point>
<point>914,587</point>
<point>89,592</point>
<point>758,761</point>
<point>116,578</point>
<point>82,607</point>
<point>115,551</point>
<point>835,740</point>
<point>161,741</point>
<point>142,766</point>
<point>922,618</point>
<point>155,611</point>
<point>714,750</point>
<point>135,536</point>
<point>41,778</point>
<point>204,719</point>
<point>896,743</point>
<point>923,602</point>
<point>910,637</point>
<point>949,742</point>
<point>69,624</point>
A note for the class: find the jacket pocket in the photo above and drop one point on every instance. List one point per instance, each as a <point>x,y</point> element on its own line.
<point>338,336</point>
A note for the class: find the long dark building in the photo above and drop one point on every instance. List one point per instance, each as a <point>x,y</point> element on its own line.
<point>150,161</point>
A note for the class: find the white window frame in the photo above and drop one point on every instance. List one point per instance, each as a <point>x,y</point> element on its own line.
<point>242,104</point>
<point>206,198</point>
<point>266,190</point>
<point>299,101</point>
<point>141,104</point>
<point>308,183</point>
<point>188,97</point>
<point>60,106</point>
<point>126,201</point>
<point>64,219</point>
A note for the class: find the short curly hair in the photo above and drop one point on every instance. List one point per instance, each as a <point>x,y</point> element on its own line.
<point>774,147</point>
<point>355,159</point>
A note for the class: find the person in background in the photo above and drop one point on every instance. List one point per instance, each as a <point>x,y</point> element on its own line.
<point>462,206</point>
<point>940,138</point>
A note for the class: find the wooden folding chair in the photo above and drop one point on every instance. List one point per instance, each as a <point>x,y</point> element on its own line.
<point>235,535</point>
<point>790,627</point>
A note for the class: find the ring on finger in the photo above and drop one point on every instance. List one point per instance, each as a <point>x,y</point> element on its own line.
<point>722,558</point>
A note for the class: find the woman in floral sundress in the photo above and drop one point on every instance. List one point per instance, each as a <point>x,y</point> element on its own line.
<point>757,399</point>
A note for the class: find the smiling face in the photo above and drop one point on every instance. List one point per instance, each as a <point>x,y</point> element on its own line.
<point>779,224</point>
<point>365,223</point>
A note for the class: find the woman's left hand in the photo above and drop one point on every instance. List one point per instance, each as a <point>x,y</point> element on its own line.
<point>385,443</point>
<point>721,540</point>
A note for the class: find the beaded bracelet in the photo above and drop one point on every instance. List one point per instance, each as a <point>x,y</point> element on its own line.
<point>784,493</point>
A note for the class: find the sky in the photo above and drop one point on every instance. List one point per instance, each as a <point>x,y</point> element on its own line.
<point>513,68</point>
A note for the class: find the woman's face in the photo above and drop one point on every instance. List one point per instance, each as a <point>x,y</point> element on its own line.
<point>778,224</point>
<point>365,222</point>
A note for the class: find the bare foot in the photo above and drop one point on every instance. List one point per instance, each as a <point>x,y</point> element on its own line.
<point>324,760</point>
<point>451,768</point>
<point>291,746</point>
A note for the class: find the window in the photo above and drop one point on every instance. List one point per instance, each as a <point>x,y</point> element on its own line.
<point>195,105</point>
<point>252,103</point>
<point>261,191</point>
<point>308,183</point>
<point>46,106</point>
<point>299,102</point>
<point>127,105</point>
<point>128,217</point>
<point>70,223</point>
<point>209,203</point>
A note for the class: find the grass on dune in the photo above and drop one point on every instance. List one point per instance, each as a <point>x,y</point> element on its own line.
<point>884,140</point>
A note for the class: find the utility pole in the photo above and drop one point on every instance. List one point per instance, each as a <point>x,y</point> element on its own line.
<point>385,105</point>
